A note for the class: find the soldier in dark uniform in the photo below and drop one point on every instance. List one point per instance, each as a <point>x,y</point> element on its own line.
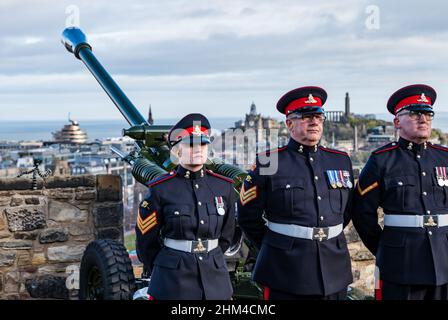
<point>186,222</point>
<point>408,179</point>
<point>296,215</point>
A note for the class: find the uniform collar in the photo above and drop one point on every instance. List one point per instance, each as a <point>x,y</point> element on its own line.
<point>301,148</point>
<point>188,174</point>
<point>412,146</point>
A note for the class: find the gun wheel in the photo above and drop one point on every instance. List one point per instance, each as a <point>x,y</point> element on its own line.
<point>106,272</point>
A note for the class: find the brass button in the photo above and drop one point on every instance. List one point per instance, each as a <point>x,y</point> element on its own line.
<point>288,186</point>
<point>200,258</point>
<point>316,178</point>
<point>319,198</point>
<point>176,213</point>
<point>202,221</point>
<point>430,233</point>
<point>400,183</point>
<point>423,173</point>
<point>424,193</point>
<point>196,186</point>
<point>418,156</point>
<point>199,203</point>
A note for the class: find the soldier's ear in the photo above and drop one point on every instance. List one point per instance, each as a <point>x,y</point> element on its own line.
<point>289,123</point>
<point>175,154</point>
<point>397,123</point>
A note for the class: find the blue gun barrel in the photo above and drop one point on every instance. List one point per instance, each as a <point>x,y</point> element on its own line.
<point>76,42</point>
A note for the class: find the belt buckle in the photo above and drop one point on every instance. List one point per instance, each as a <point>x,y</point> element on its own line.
<point>199,246</point>
<point>430,221</point>
<point>321,234</point>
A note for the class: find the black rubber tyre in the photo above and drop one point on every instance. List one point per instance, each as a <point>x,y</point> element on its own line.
<point>106,272</point>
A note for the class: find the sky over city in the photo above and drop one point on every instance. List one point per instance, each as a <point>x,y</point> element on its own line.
<point>216,57</point>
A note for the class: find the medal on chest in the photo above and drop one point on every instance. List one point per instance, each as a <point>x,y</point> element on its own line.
<point>219,202</point>
<point>339,179</point>
<point>441,176</point>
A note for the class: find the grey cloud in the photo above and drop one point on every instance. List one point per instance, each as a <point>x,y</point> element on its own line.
<point>233,51</point>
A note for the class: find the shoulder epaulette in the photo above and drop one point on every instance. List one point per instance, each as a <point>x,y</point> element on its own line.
<point>387,147</point>
<point>333,151</point>
<point>218,176</point>
<point>272,150</point>
<point>162,178</point>
<point>439,147</point>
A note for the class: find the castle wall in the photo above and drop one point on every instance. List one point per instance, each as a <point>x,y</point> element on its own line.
<point>43,233</point>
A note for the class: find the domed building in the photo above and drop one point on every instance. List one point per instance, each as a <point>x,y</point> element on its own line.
<point>70,133</point>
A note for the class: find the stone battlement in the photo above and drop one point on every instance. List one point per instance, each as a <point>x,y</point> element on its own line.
<point>43,232</point>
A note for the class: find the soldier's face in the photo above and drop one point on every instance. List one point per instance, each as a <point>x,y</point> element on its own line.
<point>193,155</point>
<point>415,129</point>
<point>307,131</point>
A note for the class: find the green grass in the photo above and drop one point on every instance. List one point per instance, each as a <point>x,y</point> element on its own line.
<point>129,241</point>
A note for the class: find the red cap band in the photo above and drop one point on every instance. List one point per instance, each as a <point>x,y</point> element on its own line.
<point>419,99</point>
<point>195,130</point>
<point>302,103</point>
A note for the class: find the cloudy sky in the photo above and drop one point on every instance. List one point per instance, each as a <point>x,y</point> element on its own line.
<point>216,57</point>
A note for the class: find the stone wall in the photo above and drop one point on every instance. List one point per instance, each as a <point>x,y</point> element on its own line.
<point>363,265</point>
<point>43,232</point>
<point>363,262</point>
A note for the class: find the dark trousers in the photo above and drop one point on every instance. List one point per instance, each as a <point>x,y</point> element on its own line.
<point>272,294</point>
<point>394,291</point>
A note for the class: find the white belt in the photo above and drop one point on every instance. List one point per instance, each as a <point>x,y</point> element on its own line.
<point>297,231</point>
<point>192,246</point>
<point>418,221</point>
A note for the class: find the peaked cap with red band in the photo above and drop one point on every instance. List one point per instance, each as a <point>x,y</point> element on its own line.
<point>302,100</point>
<point>416,97</point>
<point>193,128</point>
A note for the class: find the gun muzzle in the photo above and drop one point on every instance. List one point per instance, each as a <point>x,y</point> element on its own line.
<point>74,40</point>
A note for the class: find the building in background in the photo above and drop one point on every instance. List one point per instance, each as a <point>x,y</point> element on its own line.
<point>70,133</point>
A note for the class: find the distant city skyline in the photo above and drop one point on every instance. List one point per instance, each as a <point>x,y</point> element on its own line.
<point>216,57</point>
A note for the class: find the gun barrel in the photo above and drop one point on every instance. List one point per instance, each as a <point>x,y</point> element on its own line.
<point>122,155</point>
<point>76,42</point>
<point>140,132</point>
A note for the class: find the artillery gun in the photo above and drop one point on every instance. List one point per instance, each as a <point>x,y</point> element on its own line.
<point>106,269</point>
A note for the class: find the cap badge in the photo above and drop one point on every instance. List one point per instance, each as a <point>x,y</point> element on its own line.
<point>197,131</point>
<point>311,99</point>
<point>423,98</point>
